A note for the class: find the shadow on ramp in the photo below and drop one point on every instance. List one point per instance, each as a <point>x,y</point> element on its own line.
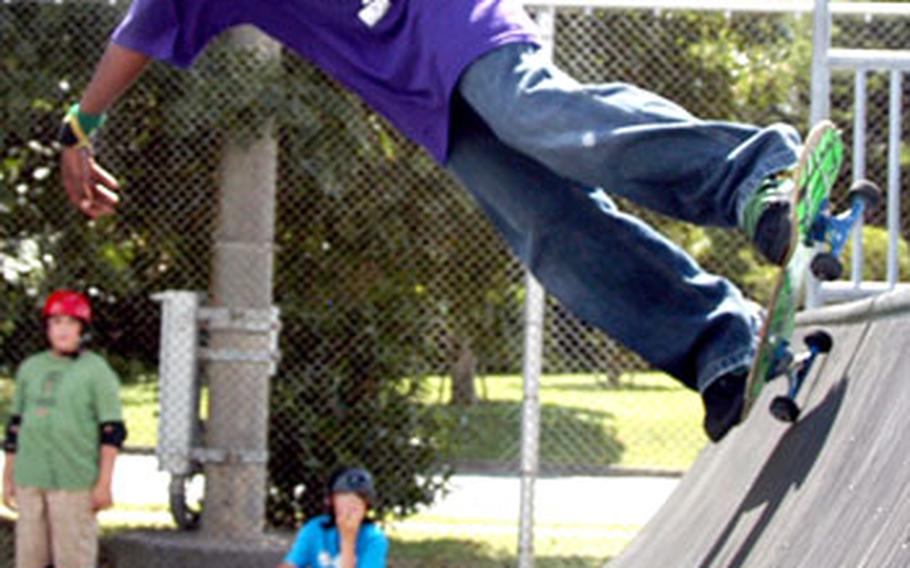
<point>787,467</point>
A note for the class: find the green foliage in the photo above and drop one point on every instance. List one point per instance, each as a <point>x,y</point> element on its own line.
<point>322,419</point>
<point>43,244</point>
<point>164,142</point>
<point>875,255</point>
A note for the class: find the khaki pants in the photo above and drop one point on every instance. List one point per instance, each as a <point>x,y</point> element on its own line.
<point>55,528</point>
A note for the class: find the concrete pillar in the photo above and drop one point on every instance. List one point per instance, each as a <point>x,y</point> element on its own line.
<point>237,432</point>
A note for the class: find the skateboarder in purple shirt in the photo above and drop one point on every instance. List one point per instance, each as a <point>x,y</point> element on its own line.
<point>540,152</point>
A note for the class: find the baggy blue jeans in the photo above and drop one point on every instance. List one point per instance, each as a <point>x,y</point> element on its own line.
<point>540,153</point>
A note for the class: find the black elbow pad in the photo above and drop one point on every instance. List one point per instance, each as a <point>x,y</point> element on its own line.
<point>11,443</point>
<point>113,434</point>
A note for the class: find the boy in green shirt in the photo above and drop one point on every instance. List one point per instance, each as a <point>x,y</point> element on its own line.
<point>61,442</point>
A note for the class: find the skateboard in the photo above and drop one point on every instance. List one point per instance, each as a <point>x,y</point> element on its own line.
<point>819,239</point>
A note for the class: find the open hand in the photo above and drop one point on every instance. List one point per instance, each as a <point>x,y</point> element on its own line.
<point>89,187</point>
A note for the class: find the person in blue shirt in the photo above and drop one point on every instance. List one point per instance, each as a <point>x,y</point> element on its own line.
<point>344,537</point>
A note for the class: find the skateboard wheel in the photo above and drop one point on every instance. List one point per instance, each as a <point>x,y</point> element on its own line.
<point>185,514</point>
<point>784,409</point>
<point>870,193</point>
<point>820,339</point>
<point>825,266</point>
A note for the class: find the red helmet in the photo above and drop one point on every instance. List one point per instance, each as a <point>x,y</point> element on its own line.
<point>68,303</point>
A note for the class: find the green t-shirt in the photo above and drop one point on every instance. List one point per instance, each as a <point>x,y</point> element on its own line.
<point>62,402</point>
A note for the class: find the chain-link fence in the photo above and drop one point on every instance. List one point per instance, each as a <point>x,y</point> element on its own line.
<point>401,311</point>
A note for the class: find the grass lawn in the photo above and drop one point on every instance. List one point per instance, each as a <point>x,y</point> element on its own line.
<point>453,552</point>
<point>647,422</point>
<point>452,545</point>
<point>431,541</point>
<point>408,550</point>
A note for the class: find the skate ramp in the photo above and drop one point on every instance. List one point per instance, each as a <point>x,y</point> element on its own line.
<point>832,490</point>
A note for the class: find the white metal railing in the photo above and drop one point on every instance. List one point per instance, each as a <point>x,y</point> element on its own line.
<point>861,61</point>
<point>756,6</point>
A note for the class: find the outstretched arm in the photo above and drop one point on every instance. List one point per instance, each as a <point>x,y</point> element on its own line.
<point>89,187</point>
<point>118,69</point>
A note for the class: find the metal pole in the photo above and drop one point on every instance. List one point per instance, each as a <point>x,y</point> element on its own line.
<point>530,419</point>
<point>821,75</point>
<point>533,363</point>
<point>237,433</point>
<point>859,168</point>
<point>820,105</point>
<point>894,177</point>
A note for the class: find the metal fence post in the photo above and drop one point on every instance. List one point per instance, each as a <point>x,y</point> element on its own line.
<point>533,364</point>
<point>820,103</point>
<point>859,169</point>
<point>821,75</point>
<point>894,175</point>
<point>530,418</point>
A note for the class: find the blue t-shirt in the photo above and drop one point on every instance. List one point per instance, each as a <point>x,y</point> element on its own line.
<point>319,547</point>
<point>403,57</point>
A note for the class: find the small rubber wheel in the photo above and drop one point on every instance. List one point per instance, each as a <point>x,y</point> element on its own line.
<point>820,339</point>
<point>825,266</point>
<point>186,511</point>
<point>870,193</point>
<point>784,409</point>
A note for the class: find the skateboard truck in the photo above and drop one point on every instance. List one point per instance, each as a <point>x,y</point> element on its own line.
<point>864,196</point>
<point>833,230</point>
<point>784,408</point>
<point>822,238</point>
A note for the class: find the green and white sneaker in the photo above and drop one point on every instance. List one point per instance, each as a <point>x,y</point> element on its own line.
<point>767,219</point>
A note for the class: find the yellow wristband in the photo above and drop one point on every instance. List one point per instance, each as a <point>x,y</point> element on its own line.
<point>82,140</point>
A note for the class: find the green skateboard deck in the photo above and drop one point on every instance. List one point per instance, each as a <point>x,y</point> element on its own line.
<point>815,175</point>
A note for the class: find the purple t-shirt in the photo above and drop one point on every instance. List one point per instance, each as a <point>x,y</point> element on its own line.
<point>403,57</point>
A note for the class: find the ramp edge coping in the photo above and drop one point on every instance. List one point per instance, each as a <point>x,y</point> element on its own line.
<point>877,307</point>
